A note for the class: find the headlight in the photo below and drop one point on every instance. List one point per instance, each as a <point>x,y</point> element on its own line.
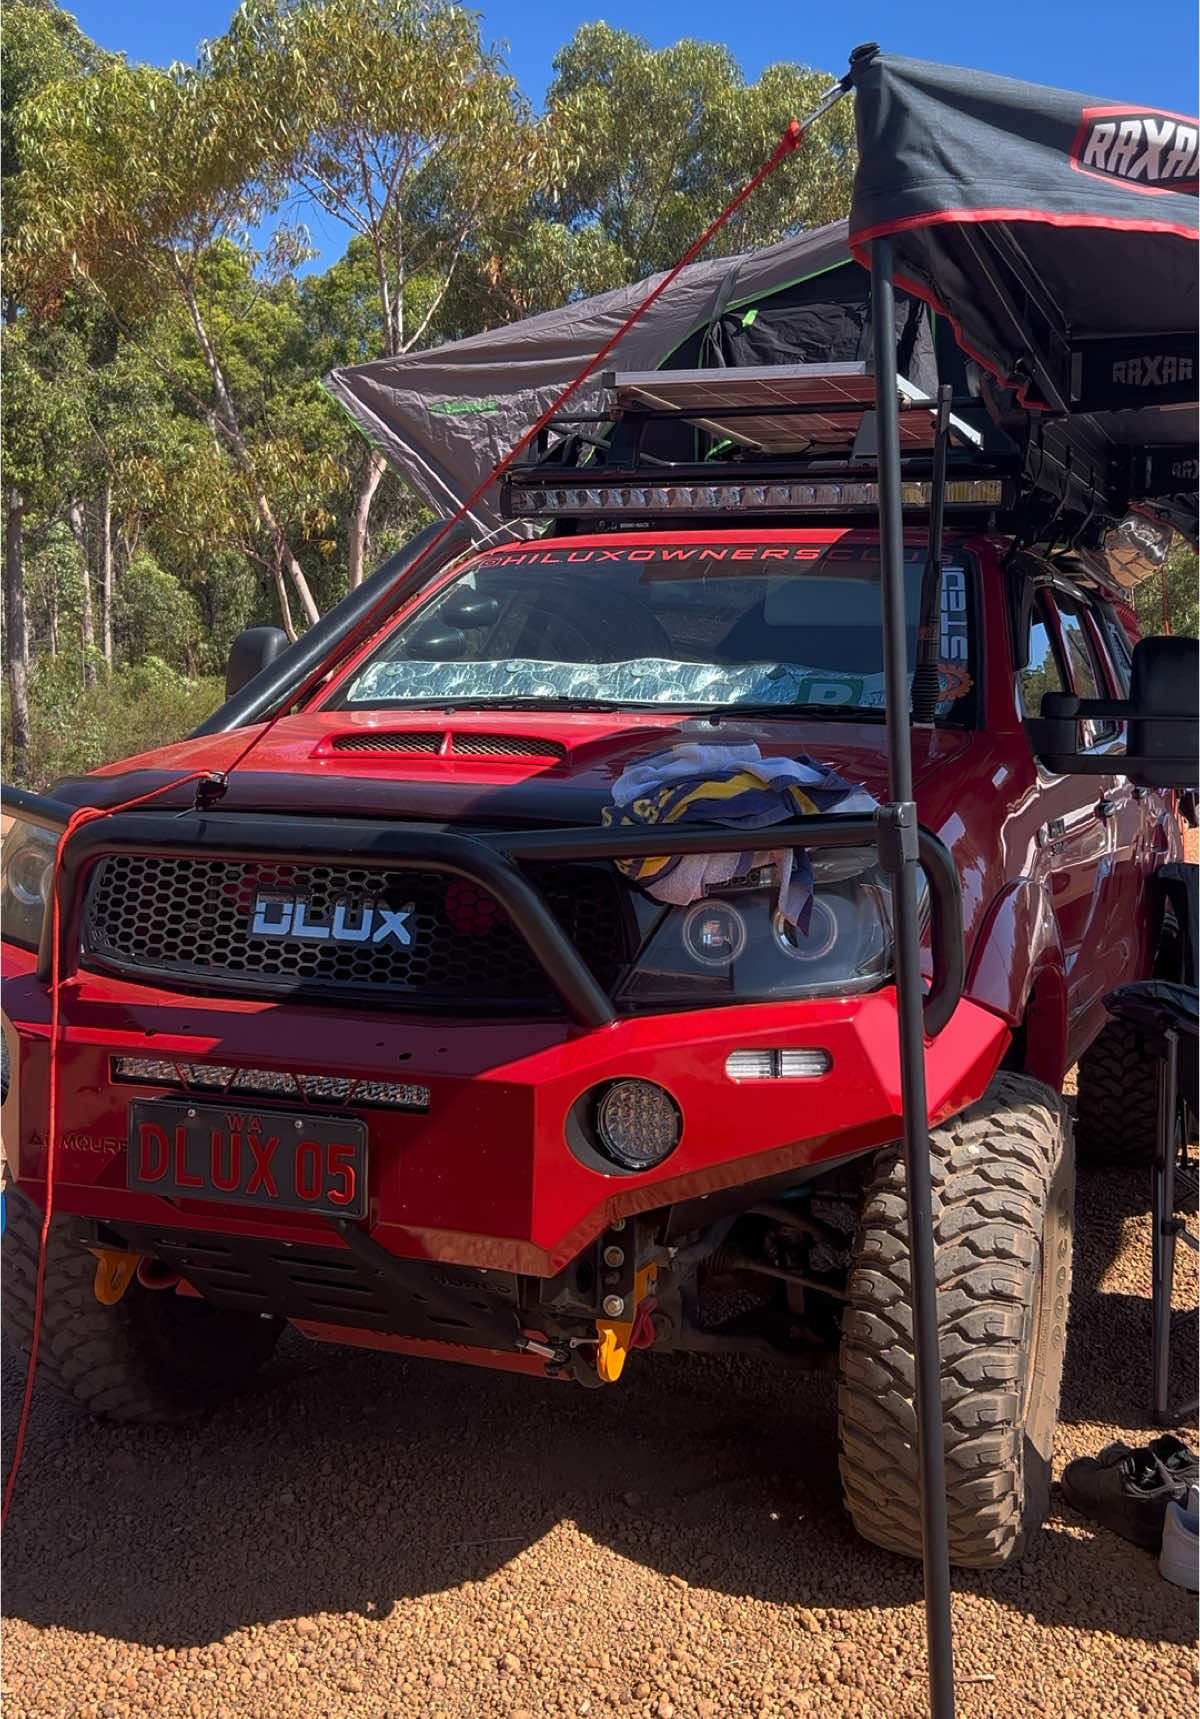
<point>735,946</point>
<point>26,871</point>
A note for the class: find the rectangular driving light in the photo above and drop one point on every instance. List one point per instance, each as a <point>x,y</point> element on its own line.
<point>201,1077</point>
<point>777,1064</point>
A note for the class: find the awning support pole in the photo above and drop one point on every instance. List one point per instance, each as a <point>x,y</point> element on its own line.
<point>926,678</point>
<point>898,850</point>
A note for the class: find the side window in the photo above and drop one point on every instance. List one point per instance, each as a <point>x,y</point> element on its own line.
<point>1083,668</point>
<point>1041,672</point>
<point>1120,651</point>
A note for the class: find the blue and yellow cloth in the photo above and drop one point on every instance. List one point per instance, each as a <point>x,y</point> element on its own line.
<point>737,787</point>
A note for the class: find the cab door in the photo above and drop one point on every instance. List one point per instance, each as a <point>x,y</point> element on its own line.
<point>1144,820</point>
<point>1080,829</point>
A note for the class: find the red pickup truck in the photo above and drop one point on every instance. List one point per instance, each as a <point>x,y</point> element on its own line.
<point>384,1044</point>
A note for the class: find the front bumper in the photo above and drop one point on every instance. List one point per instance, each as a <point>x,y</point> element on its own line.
<point>487,1177</point>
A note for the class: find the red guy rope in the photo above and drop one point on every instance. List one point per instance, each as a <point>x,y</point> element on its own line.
<point>789,141</point>
<point>85,814</point>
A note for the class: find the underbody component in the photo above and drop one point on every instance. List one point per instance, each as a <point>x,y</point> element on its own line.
<point>617,1336</point>
<point>114,1273</point>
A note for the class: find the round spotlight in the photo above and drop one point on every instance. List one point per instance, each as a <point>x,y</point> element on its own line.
<point>639,1123</point>
<point>820,939</point>
<point>714,934</point>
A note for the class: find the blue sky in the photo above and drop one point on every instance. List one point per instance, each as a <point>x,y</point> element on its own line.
<point>1140,52</point>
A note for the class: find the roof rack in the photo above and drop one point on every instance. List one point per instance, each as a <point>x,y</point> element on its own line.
<point>782,408</point>
<point>797,438</point>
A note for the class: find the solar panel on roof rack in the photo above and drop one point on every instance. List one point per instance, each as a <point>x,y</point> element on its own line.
<point>778,408</point>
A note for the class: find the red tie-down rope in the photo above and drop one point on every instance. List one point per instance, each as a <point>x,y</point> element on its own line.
<point>789,141</point>
<point>84,815</point>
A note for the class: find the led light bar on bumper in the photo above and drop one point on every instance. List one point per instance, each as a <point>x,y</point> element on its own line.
<point>525,499</point>
<point>203,1077</point>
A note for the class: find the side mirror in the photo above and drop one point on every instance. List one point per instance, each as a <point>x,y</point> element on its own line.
<point>1162,749</point>
<point>251,651</point>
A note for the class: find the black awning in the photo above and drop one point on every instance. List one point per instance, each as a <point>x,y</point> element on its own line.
<point>1056,231</point>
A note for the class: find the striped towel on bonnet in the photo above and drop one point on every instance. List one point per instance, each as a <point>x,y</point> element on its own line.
<point>739,788</point>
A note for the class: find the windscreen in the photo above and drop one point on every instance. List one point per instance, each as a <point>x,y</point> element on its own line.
<point>685,625</point>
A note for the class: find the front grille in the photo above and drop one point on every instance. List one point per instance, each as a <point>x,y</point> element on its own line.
<point>192,921</point>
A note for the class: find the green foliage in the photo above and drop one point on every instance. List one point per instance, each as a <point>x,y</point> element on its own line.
<point>1182,594</point>
<point>394,118</point>
<point>155,619</point>
<point>54,588</point>
<point>654,143</point>
<point>76,729</point>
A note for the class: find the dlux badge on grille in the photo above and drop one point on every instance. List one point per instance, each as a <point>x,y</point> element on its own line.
<point>248,1158</point>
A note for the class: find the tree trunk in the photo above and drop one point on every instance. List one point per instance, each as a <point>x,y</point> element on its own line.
<point>106,578</point>
<point>285,608</point>
<point>52,616</point>
<point>87,631</point>
<point>227,414</point>
<point>356,543</point>
<point>397,329</point>
<point>16,640</point>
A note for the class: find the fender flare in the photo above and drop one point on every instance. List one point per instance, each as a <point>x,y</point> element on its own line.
<point>1018,970</point>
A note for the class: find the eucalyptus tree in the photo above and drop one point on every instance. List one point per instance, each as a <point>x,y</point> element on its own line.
<point>656,142</point>
<point>39,43</point>
<point>403,126</point>
<point>137,175</point>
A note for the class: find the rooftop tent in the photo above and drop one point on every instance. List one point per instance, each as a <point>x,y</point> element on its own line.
<point>446,416</point>
<point>1057,234</point>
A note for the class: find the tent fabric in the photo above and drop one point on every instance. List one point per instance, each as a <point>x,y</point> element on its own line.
<point>1048,226</point>
<point>445,417</point>
<point>1054,233</point>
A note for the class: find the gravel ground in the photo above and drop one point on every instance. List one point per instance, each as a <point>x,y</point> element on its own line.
<point>365,1537</point>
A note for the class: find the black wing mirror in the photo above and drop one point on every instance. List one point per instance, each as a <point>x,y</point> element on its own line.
<point>1162,748</point>
<point>251,651</point>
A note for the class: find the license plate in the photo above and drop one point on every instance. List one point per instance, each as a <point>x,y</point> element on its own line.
<point>264,1158</point>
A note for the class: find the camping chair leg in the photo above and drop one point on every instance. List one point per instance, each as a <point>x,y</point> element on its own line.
<point>1162,1269</point>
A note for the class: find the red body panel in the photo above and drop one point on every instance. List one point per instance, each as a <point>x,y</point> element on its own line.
<point>1052,922</point>
<point>486,1178</point>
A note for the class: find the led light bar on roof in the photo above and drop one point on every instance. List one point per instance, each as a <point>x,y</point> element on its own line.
<point>726,495</point>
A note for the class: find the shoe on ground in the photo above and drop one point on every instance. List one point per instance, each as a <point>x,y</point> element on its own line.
<point>1125,1490</point>
<point>1179,1560</point>
<point>1180,1463</point>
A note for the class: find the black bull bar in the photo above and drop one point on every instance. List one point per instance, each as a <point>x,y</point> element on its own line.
<point>491,859</point>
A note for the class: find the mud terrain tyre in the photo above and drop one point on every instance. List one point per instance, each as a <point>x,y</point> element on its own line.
<point>1116,1110</point>
<point>1003,1188</point>
<point>155,1356</point>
